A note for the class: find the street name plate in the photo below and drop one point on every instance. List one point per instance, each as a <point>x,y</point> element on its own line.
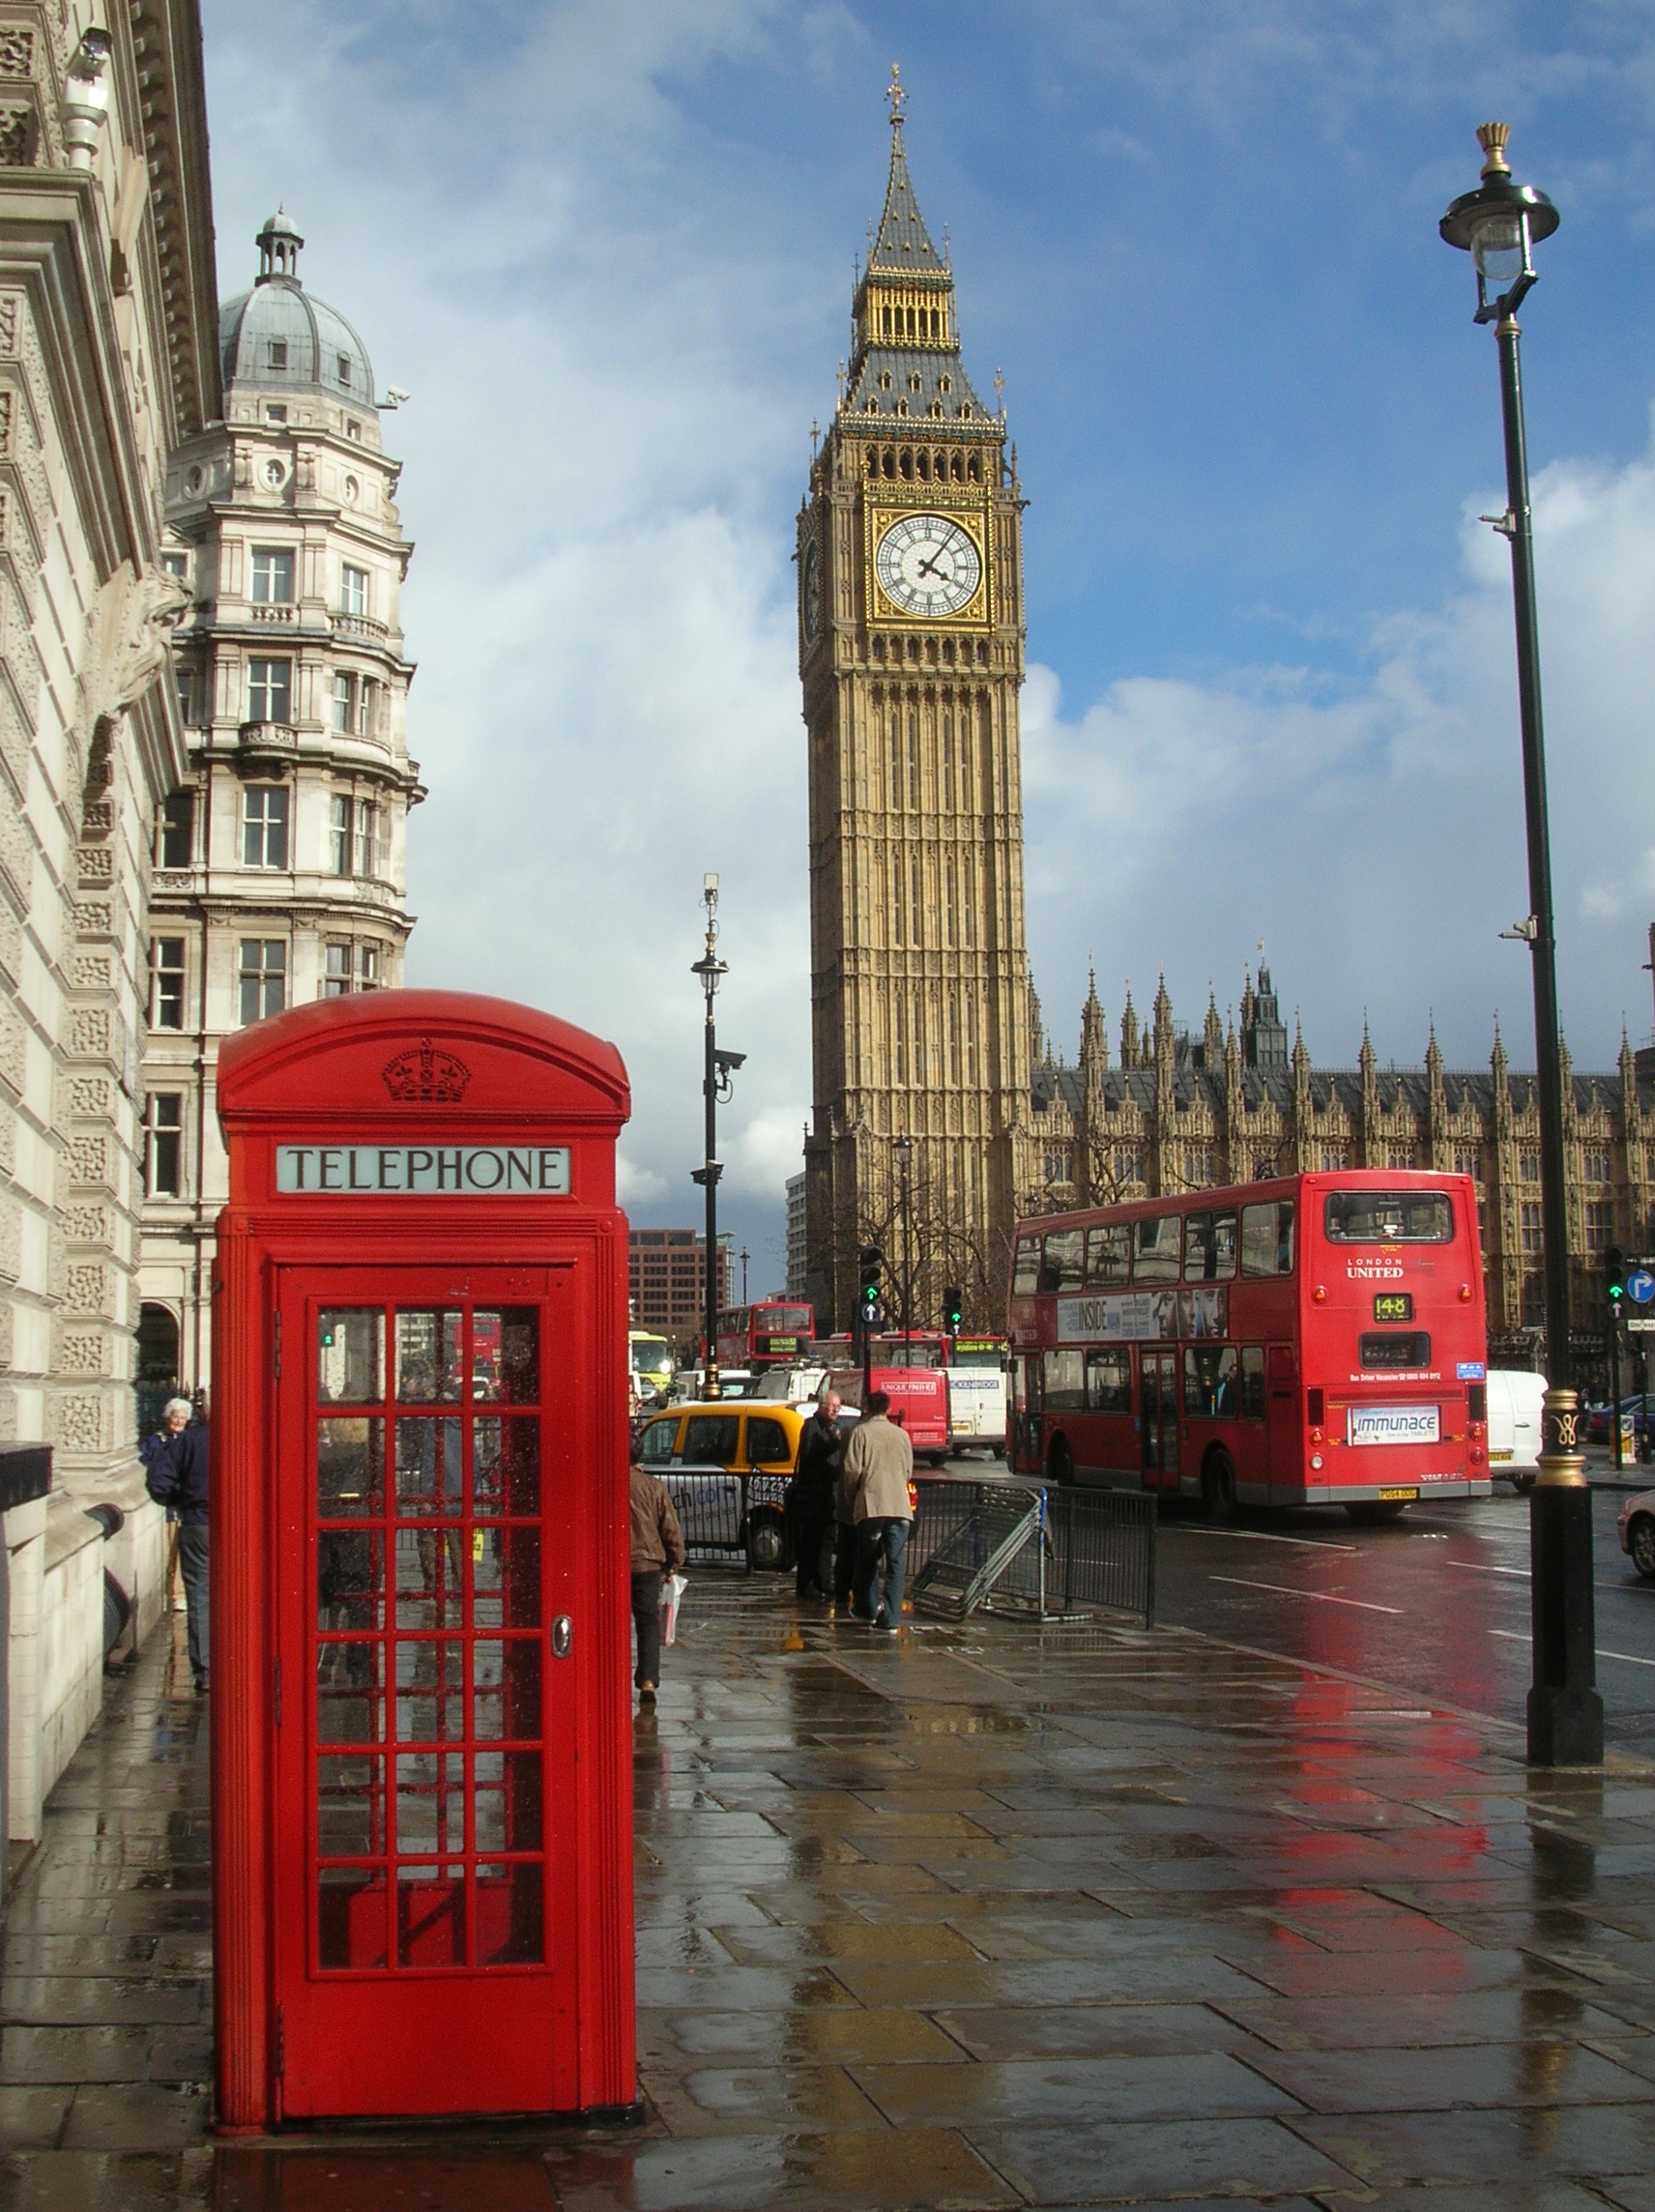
<point>1641,1324</point>
<point>423,1171</point>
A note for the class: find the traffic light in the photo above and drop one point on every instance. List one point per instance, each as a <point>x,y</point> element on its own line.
<point>870,1260</point>
<point>1615,1279</point>
<point>953,1309</point>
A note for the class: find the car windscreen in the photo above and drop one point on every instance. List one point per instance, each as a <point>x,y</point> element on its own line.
<point>1388,1217</point>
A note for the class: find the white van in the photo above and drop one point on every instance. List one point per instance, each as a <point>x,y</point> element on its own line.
<point>1515,1399</point>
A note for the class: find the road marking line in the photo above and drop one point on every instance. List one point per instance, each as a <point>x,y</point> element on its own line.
<point>1626,1658</point>
<point>1471,1567</point>
<point>1262,1536</point>
<point>1321,1597</point>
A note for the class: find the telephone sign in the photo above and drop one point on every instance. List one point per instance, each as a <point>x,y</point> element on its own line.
<point>421,1731</point>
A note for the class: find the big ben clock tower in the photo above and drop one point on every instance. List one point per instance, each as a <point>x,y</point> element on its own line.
<point>911,653</point>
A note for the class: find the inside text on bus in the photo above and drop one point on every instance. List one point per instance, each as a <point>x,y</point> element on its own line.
<point>1317,1340</point>
<point>773,1332</point>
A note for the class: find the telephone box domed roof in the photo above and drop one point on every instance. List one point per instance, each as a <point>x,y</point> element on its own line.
<point>281,337</point>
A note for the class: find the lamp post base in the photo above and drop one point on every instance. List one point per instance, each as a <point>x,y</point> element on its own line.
<point>1565,1712</point>
<point>1565,1728</point>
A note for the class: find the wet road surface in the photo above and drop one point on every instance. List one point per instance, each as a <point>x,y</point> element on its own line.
<point>1436,1604</point>
<point>982,1915</point>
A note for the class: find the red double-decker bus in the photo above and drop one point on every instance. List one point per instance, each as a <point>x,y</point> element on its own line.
<point>775,1333</point>
<point>1318,1340</point>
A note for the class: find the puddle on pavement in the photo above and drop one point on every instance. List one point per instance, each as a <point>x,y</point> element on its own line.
<point>258,2179</point>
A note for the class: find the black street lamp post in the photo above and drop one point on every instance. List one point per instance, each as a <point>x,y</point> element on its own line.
<point>1499,225</point>
<point>717,1069</point>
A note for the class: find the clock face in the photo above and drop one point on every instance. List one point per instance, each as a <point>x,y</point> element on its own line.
<point>928,566</point>
<point>812,591</point>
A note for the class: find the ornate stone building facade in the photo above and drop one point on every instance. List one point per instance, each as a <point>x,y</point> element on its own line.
<point>1176,1111</point>
<point>911,653</point>
<point>280,854</point>
<point>108,363</point>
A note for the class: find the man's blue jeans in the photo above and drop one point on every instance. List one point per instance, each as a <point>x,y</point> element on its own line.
<point>881,1545</point>
<point>192,1566</point>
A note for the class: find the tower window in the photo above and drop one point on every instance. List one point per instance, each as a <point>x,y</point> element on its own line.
<point>166,982</point>
<point>944,384</point>
<point>277,353</point>
<point>353,590</point>
<point>270,690</point>
<point>276,415</point>
<point>273,576</point>
<point>163,1144</point>
<point>264,826</point>
<point>344,703</point>
<point>902,409</point>
<point>263,977</point>
<point>178,830</point>
<point>913,382</point>
<point>345,370</point>
<point>884,380</point>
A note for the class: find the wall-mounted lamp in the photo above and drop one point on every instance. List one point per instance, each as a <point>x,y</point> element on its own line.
<point>86,99</point>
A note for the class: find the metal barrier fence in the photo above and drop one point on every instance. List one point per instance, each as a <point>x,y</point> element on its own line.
<point>722,1513</point>
<point>1022,1547</point>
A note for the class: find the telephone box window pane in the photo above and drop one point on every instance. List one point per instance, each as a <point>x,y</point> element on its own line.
<point>350,1355</point>
<point>350,1910</point>
<point>430,1579</point>
<point>430,1801</point>
<point>350,1467</point>
<point>506,1574</point>
<point>505,1465</point>
<point>350,1694</point>
<point>430,1692</point>
<point>505,1692</point>
<point>431,1916</point>
<point>350,1805</point>
<point>506,1356</point>
<point>350,1580</point>
<point>427,1357</point>
<point>510,1914</point>
<point>507,1800</point>
<point>430,1477</point>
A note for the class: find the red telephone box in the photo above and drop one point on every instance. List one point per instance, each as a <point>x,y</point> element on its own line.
<point>422,1726</point>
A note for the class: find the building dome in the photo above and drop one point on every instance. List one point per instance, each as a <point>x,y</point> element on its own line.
<point>281,338</point>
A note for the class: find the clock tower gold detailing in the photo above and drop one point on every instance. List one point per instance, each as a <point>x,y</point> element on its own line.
<point>911,655</point>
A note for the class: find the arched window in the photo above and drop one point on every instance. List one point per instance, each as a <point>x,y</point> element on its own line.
<point>914,760</point>
<point>915,906</point>
<point>899,877</point>
<point>948,913</point>
<point>902,1037</point>
<point>924,467</point>
<point>895,760</point>
<point>948,759</point>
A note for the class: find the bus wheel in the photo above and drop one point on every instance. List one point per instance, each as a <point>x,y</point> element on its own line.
<point>1061,1465</point>
<point>1218,1486</point>
<point>1372,1511</point>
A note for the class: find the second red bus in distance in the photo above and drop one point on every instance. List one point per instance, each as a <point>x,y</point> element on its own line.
<point>1315,1340</point>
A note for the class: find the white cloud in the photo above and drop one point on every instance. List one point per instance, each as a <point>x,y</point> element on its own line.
<point>1371,831</point>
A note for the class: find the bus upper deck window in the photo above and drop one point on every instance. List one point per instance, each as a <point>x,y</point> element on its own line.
<point>1064,1252</point>
<point>1155,1249</point>
<point>1026,1281</point>
<point>1107,1255</point>
<point>1267,1238</point>
<point>1209,1247</point>
<point>1388,1217</point>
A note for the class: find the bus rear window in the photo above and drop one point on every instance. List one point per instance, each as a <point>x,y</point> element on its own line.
<point>1395,1348</point>
<point>1388,1217</point>
<point>800,1320</point>
<point>1026,1279</point>
<point>1157,1249</point>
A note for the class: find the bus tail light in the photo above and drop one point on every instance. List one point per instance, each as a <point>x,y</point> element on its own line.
<point>1319,1295</point>
<point>1465,1294</point>
<point>1476,1428</point>
<point>1315,1459</point>
<point>1475,1455</point>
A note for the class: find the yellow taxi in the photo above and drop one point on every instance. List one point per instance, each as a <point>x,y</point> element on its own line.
<point>726,1465</point>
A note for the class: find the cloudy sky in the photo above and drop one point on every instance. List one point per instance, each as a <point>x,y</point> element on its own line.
<point>608,245</point>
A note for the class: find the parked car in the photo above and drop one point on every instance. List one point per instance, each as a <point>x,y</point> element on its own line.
<point>1636,1529</point>
<point>751,1449</point>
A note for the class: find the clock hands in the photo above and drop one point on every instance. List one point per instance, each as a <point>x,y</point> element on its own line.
<point>930,568</point>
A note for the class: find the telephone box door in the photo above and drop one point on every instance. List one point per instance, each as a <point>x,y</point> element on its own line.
<point>428,1650</point>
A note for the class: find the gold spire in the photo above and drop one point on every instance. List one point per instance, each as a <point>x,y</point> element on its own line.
<point>1492,137</point>
<point>899,99</point>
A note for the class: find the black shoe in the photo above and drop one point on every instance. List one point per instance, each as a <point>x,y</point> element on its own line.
<point>200,1685</point>
<point>647,1695</point>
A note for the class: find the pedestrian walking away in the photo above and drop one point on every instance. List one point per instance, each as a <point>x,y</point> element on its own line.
<point>812,1495</point>
<point>879,1462</point>
<point>175,1470</point>
<point>657,1550</point>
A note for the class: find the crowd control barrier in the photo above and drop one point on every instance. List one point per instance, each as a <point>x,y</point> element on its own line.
<point>723,1514</point>
<point>1011,1547</point>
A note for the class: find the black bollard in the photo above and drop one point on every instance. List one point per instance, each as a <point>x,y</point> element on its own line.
<point>1565,1712</point>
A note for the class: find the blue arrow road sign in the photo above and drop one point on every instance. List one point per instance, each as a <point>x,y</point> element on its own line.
<point>1640,1285</point>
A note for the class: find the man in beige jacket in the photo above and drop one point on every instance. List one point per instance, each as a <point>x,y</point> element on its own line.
<point>879,1461</point>
<point>657,1550</point>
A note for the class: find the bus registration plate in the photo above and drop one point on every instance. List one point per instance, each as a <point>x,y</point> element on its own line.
<point>1394,1425</point>
<point>1386,1496</point>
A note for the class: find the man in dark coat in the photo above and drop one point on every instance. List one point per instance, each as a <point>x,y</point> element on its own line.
<point>811,1493</point>
<point>175,1470</point>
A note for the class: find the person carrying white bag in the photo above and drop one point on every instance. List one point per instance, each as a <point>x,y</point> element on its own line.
<point>657,1551</point>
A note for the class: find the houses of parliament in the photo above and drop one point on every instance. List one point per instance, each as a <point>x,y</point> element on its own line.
<point>941,1111</point>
